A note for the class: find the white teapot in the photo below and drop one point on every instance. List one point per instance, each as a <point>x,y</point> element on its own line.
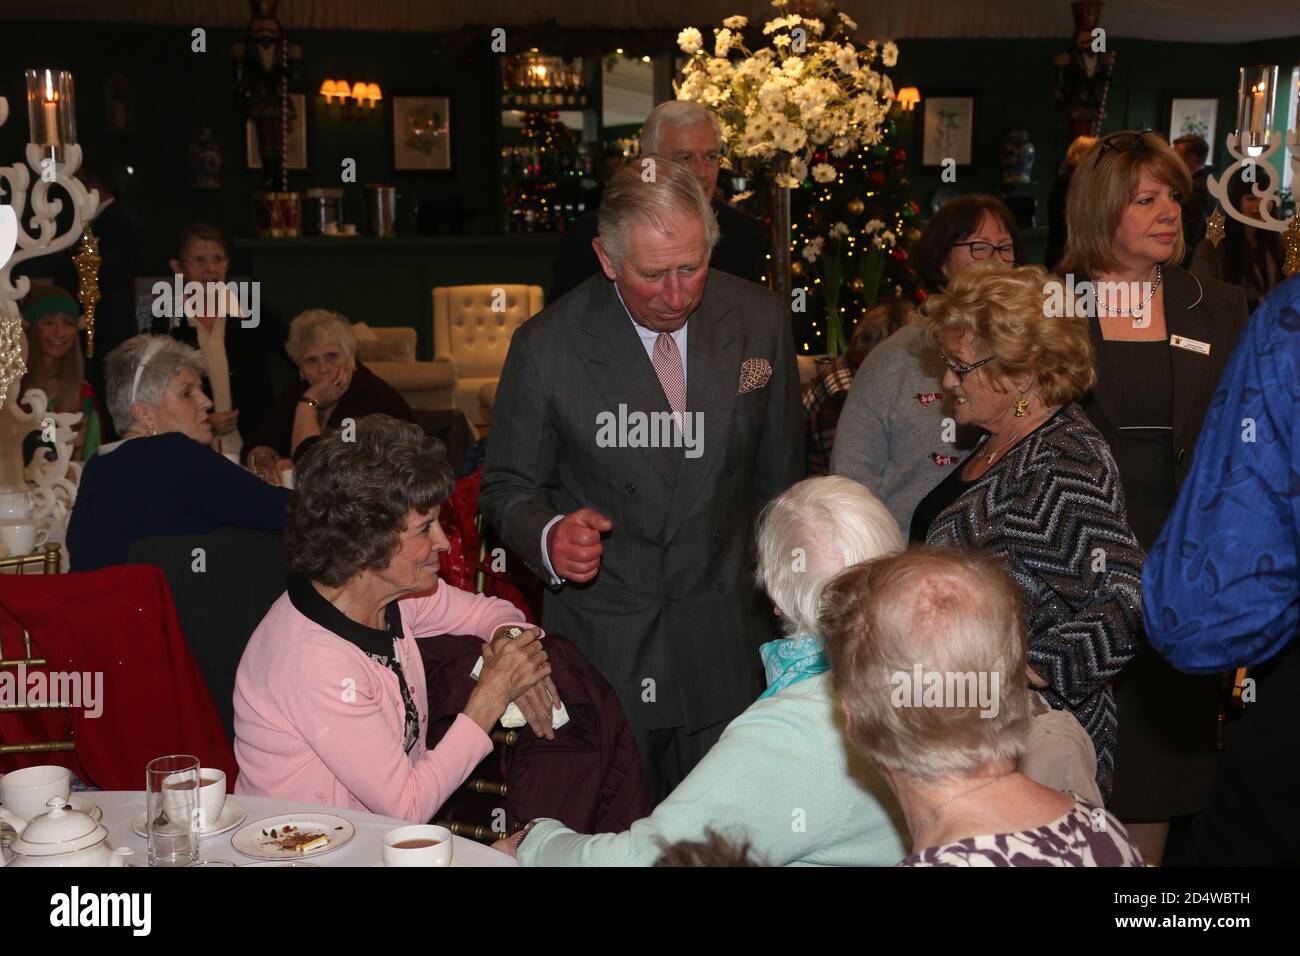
<point>64,837</point>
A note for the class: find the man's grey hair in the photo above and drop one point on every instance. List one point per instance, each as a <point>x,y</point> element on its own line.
<point>320,325</point>
<point>811,533</point>
<point>654,190</point>
<point>675,113</point>
<point>140,369</point>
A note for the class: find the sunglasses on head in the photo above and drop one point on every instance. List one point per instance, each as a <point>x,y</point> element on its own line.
<point>1122,142</point>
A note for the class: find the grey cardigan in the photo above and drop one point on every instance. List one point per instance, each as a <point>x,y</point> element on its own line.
<point>891,432</point>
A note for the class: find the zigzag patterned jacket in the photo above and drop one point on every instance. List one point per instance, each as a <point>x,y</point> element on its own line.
<point>1053,510</point>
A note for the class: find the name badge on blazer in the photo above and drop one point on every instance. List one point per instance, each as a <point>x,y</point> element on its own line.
<point>1191,345</point>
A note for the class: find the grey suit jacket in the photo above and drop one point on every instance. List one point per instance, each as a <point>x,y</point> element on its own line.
<point>673,619</point>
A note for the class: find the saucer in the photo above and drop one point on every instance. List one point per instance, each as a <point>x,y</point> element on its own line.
<point>232,815</point>
<point>85,805</point>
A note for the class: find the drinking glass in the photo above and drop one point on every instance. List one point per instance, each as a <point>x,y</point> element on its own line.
<point>172,810</point>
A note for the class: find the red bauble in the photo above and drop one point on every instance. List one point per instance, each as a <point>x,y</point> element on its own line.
<point>877,178</point>
<point>899,255</point>
<point>899,155</point>
<point>919,296</point>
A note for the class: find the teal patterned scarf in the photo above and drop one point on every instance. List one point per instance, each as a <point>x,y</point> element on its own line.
<point>791,660</point>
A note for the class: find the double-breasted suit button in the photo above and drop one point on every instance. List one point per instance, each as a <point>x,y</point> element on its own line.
<point>717,536</point>
<point>719,587</point>
<point>668,603</point>
<point>1182,453</point>
<point>630,488</point>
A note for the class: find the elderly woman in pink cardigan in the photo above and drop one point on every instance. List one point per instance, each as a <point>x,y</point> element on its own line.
<point>330,699</point>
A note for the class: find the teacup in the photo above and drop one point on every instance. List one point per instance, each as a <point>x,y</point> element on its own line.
<point>21,539</point>
<point>420,845</point>
<point>25,792</point>
<point>212,796</point>
<point>16,504</point>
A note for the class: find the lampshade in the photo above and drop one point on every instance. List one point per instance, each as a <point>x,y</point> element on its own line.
<point>908,97</point>
<point>374,93</point>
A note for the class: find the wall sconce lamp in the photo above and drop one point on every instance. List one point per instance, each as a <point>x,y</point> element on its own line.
<point>360,93</point>
<point>908,97</point>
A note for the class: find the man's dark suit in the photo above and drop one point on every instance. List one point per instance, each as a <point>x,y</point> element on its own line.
<point>739,250</point>
<point>672,619</point>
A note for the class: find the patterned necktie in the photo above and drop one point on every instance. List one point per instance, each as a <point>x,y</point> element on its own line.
<point>668,366</point>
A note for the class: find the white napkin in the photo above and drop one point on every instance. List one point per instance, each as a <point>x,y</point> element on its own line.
<point>514,717</point>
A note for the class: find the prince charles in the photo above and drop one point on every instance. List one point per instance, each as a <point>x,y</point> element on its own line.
<point>641,422</point>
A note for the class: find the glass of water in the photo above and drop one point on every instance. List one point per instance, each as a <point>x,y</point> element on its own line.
<point>172,810</point>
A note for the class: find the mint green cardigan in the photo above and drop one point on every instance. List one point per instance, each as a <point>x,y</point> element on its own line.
<point>780,777</point>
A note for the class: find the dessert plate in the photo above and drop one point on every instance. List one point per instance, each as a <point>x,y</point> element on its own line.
<point>276,838</point>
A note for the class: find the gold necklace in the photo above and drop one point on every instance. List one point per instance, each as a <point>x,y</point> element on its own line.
<point>965,793</point>
<point>1003,447</point>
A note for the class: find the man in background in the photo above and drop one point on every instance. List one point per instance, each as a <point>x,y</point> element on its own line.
<point>1193,150</point>
<point>689,134</point>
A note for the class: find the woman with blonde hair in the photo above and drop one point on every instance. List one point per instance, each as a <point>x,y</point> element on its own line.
<point>56,367</point>
<point>1040,490</point>
<point>1161,336</point>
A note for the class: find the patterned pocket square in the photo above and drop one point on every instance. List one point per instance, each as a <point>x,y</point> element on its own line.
<point>754,374</point>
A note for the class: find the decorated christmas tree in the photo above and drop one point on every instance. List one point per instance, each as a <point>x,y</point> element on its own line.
<point>850,236</point>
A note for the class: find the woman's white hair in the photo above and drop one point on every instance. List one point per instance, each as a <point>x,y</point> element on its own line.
<point>815,530</point>
<point>656,194</point>
<point>140,369</point>
<point>675,113</point>
<point>316,326</point>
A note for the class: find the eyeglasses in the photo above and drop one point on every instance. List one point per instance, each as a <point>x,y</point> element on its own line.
<point>713,158</point>
<point>1121,142</point>
<point>961,371</point>
<point>979,251</point>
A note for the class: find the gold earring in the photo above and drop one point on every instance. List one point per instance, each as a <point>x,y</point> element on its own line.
<point>1022,405</point>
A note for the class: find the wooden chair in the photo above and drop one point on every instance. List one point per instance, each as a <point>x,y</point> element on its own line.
<point>46,562</point>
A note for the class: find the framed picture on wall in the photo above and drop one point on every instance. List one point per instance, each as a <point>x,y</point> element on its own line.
<point>297,140</point>
<point>947,130</point>
<point>1194,116</point>
<point>422,134</point>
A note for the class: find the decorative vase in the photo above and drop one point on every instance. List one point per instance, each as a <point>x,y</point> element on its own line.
<point>781,282</point>
<point>1018,155</point>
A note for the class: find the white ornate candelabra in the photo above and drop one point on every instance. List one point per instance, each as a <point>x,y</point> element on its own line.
<point>1255,98</point>
<point>53,160</point>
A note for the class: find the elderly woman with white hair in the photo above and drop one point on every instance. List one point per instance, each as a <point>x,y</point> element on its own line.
<point>927,652</point>
<point>780,774</point>
<point>162,478</point>
<point>333,385</point>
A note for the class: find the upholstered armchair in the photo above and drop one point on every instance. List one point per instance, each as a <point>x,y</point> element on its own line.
<point>390,354</point>
<point>474,336</point>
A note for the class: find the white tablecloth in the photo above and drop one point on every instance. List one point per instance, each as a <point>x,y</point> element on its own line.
<point>121,806</point>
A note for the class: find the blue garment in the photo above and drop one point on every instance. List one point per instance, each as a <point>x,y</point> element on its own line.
<point>167,485</point>
<point>1221,587</point>
<point>791,660</point>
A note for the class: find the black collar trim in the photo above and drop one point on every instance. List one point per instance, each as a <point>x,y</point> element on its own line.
<point>312,605</point>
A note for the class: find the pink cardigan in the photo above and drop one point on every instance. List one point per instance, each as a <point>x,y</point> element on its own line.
<point>318,721</point>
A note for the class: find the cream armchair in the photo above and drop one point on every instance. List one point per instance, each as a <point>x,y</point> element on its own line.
<point>390,354</point>
<point>474,337</point>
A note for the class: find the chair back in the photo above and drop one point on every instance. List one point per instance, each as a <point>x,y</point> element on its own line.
<point>472,329</point>
<point>45,561</point>
<point>222,584</point>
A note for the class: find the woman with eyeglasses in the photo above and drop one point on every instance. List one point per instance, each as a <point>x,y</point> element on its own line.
<point>1161,336</point>
<point>238,357</point>
<point>891,434</point>
<point>1041,489</point>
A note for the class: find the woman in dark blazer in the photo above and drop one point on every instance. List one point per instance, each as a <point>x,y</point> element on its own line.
<point>1161,337</point>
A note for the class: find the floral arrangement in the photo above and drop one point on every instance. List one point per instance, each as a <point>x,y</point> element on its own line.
<point>811,89</point>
